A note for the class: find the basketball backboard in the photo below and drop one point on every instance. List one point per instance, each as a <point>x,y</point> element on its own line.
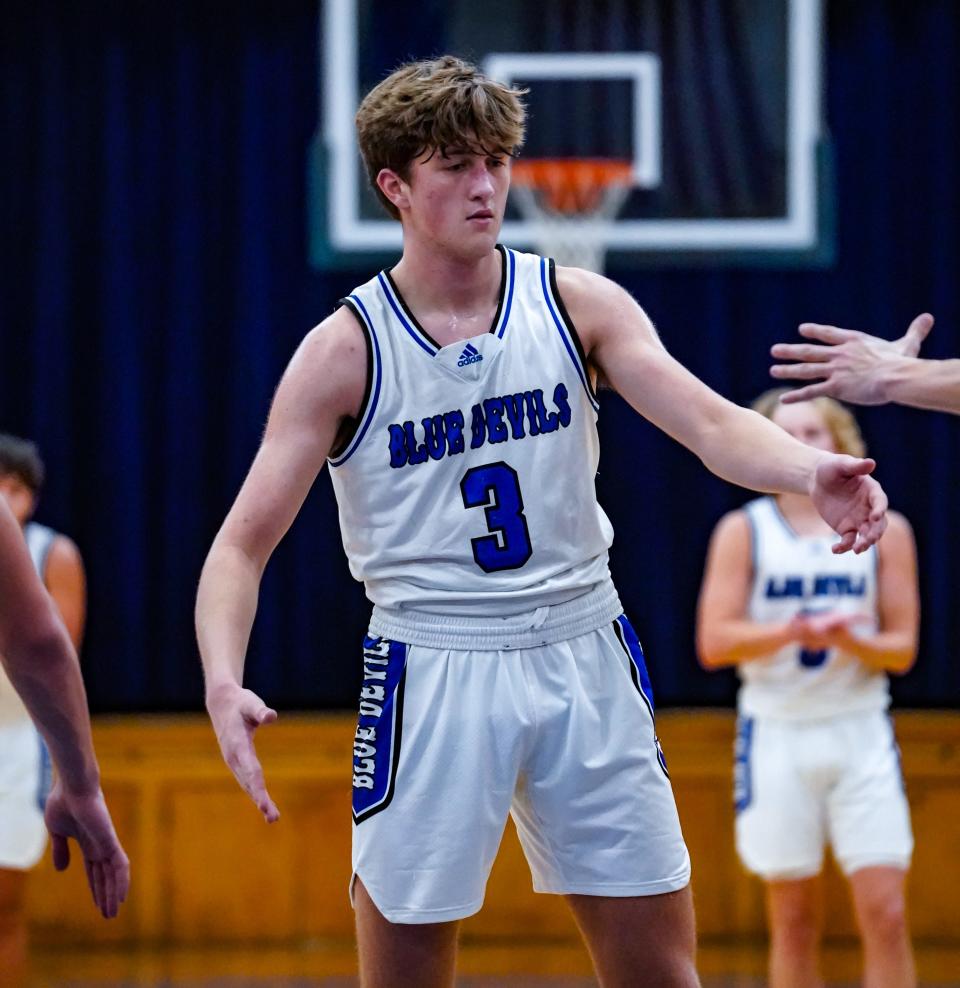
<point>716,106</point>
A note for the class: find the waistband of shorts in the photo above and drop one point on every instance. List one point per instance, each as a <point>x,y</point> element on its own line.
<point>543,626</point>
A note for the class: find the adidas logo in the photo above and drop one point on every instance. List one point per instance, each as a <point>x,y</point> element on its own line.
<point>470,355</point>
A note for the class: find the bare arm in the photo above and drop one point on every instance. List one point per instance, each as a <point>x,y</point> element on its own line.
<point>42,665</point>
<point>893,648</point>
<point>733,442</point>
<point>322,387</point>
<point>725,635</point>
<point>866,370</point>
<point>67,585</point>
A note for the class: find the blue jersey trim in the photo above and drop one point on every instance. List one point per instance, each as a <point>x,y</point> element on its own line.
<point>398,312</point>
<point>511,261</point>
<point>742,768</point>
<point>564,335</point>
<point>377,377</point>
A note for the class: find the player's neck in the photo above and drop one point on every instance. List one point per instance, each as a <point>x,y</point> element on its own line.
<point>453,298</point>
<point>801,514</point>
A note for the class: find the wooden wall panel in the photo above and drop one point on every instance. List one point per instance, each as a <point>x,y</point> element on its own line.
<point>207,868</point>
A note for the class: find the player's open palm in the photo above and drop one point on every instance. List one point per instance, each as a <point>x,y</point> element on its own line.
<point>850,501</point>
<point>84,817</point>
<point>236,714</point>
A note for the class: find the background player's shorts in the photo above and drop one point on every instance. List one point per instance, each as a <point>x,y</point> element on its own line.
<point>561,736</point>
<point>24,786</point>
<point>799,786</point>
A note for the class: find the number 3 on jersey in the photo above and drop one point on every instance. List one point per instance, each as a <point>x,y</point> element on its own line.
<point>496,488</point>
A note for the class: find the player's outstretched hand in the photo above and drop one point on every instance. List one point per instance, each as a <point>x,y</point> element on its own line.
<point>850,365</point>
<point>85,818</point>
<point>850,501</point>
<point>236,714</point>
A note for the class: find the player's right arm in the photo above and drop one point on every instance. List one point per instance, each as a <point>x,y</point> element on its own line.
<point>725,635</point>
<point>42,665</point>
<point>320,392</point>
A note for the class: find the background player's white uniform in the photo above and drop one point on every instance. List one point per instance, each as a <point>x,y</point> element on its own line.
<point>25,769</point>
<point>816,758</point>
<point>499,672</point>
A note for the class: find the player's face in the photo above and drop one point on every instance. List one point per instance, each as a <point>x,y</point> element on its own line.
<point>18,496</point>
<point>457,200</point>
<point>805,422</point>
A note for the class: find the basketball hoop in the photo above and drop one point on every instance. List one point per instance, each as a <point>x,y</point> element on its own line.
<point>570,203</point>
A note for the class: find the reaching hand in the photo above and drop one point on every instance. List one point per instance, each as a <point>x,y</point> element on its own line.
<point>851,502</point>
<point>854,366</point>
<point>86,819</point>
<point>236,714</point>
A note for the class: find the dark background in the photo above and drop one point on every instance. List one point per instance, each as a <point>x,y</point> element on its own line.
<point>154,283</point>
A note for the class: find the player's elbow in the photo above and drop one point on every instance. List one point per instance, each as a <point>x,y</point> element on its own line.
<point>710,651</point>
<point>901,661</point>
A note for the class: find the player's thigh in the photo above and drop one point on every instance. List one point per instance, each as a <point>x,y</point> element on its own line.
<point>436,756</point>
<point>402,955</point>
<point>640,940</point>
<point>868,812</point>
<point>779,826</point>
<point>596,813</point>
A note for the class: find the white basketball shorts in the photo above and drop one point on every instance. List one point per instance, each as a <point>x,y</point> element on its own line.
<point>561,735</point>
<point>25,777</point>
<point>800,786</point>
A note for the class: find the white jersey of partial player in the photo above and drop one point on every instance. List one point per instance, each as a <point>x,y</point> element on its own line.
<point>39,539</point>
<point>468,486</point>
<point>793,574</point>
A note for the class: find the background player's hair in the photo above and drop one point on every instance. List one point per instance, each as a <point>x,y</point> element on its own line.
<point>838,418</point>
<point>21,458</point>
<point>440,104</point>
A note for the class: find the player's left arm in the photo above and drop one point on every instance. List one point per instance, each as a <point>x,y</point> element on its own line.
<point>66,582</point>
<point>733,442</point>
<point>893,648</point>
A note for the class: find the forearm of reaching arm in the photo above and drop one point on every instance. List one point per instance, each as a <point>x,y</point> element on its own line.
<point>933,384</point>
<point>226,606</point>
<point>45,673</point>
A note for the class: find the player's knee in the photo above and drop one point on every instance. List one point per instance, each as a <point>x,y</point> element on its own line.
<point>884,917</point>
<point>797,927</point>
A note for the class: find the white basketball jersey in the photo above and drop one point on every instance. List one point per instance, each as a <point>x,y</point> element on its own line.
<point>793,574</point>
<point>468,487</point>
<point>39,539</point>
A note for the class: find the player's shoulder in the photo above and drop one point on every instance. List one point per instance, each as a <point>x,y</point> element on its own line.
<point>578,286</point>
<point>328,370</point>
<point>898,531</point>
<point>734,528</point>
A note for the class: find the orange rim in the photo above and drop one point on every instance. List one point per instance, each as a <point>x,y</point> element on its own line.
<point>572,185</point>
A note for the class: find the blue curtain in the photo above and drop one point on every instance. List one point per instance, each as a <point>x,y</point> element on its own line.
<point>154,284</point>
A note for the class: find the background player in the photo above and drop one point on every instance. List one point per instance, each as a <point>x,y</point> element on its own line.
<point>813,635</point>
<point>453,397</point>
<point>24,762</point>
<point>865,370</point>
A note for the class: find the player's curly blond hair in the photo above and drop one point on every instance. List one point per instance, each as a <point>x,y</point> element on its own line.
<point>838,419</point>
<point>439,104</point>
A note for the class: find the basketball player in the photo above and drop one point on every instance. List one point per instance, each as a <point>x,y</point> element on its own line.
<point>24,762</point>
<point>865,370</point>
<point>453,398</point>
<point>813,636</point>
<point>36,655</point>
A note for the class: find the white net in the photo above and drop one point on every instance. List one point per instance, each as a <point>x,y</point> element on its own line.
<point>571,225</point>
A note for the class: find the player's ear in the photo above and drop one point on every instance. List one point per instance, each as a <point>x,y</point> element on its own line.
<point>394,188</point>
